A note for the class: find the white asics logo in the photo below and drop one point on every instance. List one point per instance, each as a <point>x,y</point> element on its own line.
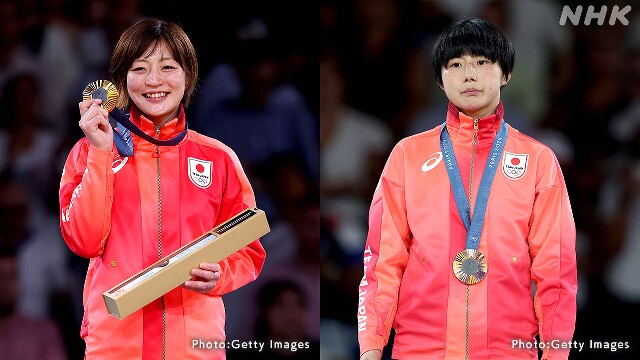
<point>118,163</point>
<point>434,160</point>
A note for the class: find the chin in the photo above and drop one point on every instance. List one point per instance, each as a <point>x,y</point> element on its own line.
<point>475,105</point>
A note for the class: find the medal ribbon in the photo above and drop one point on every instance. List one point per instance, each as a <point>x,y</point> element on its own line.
<point>123,127</point>
<point>122,138</point>
<point>474,225</point>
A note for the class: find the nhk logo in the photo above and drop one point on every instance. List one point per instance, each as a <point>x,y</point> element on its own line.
<point>617,14</point>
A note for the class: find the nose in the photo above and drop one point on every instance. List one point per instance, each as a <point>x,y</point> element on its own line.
<point>153,78</point>
<point>470,73</point>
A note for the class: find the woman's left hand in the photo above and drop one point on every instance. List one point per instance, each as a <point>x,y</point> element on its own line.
<point>204,279</point>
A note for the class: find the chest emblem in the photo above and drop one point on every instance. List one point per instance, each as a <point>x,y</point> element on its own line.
<point>514,166</point>
<point>200,172</point>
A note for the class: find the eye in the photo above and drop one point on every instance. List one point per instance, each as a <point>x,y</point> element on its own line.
<point>454,64</point>
<point>169,67</point>
<point>137,69</point>
<point>484,61</point>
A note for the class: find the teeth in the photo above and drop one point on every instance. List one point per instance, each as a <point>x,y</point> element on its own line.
<point>156,95</point>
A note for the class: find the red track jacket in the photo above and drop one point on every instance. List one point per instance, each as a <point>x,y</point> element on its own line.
<point>123,212</point>
<point>415,232</point>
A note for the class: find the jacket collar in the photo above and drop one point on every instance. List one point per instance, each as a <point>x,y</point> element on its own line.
<point>168,130</point>
<point>460,126</point>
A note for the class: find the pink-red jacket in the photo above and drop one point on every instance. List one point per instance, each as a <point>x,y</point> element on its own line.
<point>123,213</point>
<point>415,232</point>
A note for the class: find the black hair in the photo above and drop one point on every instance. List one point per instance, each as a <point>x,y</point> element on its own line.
<point>475,37</point>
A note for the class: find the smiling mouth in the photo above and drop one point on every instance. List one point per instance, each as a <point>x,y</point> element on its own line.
<point>155,95</point>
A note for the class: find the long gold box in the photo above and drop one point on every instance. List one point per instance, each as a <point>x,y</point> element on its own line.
<point>174,269</point>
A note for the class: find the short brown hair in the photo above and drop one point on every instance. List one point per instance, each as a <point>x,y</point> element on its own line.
<point>135,40</point>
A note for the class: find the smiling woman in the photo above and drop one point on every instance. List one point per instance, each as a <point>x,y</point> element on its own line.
<point>156,83</point>
<point>163,73</point>
<point>125,215</point>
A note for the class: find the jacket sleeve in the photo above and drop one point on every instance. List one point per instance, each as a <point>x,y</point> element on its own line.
<point>86,197</point>
<point>244,265</point>
<point>385,257</point>
<point>552,241</point>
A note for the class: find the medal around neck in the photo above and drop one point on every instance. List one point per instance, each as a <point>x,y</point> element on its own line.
<point>104,90</point>
<point>470,266</point>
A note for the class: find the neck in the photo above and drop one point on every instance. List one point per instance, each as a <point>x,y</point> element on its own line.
<point>159,123</point>
<point>479,114</point>
<point>482,113</point>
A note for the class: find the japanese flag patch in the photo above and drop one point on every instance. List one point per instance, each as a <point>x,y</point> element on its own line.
<point>514,166</point>
<point>200,172</point>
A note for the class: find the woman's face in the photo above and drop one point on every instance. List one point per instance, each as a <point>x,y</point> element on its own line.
<point>156,84</point>
<point>472,84</point>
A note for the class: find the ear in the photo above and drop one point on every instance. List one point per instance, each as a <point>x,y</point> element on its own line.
<point>440,86</point>
<point>505,79</point>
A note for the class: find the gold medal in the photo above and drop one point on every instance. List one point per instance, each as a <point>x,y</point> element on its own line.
<point>470,266</point>
<point>102,89</point>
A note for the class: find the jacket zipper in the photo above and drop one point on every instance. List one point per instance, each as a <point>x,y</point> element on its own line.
<point>474,144</point>
<point>164,313</point>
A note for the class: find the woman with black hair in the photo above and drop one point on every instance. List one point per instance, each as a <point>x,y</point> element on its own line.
<point>471,246</point>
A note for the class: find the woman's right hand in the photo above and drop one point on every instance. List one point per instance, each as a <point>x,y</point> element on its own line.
<point>94,122</point>
<point>372,355</point>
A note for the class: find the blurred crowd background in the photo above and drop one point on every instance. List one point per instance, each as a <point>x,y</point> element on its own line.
<point>257,93</point>
<point>574,88</point>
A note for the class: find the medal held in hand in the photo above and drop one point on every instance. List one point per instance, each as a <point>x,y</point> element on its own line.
<point>470,266</point>
<point>103,90</point>
<point>108,93</point>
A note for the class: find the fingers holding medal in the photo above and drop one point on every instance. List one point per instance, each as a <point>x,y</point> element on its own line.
<point>98,99</point>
